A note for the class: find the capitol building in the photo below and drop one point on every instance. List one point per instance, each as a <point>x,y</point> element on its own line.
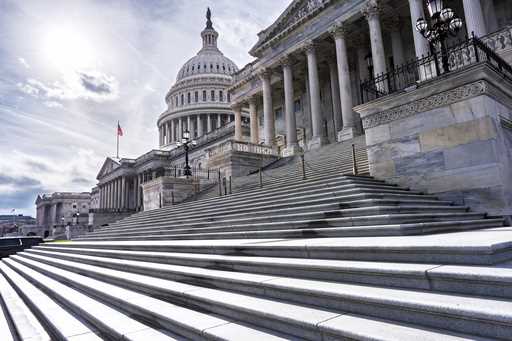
<point>199,101</point>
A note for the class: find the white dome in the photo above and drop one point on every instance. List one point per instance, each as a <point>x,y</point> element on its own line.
<point>207,62</point>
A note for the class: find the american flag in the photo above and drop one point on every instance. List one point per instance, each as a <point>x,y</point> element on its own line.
<point>119,130</point>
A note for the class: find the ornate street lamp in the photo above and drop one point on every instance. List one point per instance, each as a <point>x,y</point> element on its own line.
<point>185,142</point>
<point>443,23</point>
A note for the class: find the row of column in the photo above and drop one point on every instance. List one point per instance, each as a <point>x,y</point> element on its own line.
<point>121,193</point>
<point>340,73</point>
<point>172,130</point>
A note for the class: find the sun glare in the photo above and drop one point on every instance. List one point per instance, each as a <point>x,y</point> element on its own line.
<point>67,49</point>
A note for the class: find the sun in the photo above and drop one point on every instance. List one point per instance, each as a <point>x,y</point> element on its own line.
<point>66,48</point>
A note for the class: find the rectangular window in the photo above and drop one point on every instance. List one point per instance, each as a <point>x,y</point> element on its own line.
<point>176,101</point>
<point>221,96</point>
<point>229,97</point>
<point>204,96</point>
<point>196,95</point>
<point>188,98</point>
<point>213,95</point>
<point>182,99</point>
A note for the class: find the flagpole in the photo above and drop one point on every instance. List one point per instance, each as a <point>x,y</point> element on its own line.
<point>117,135</point>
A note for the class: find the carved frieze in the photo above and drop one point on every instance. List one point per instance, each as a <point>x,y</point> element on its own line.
<point>426,104</point>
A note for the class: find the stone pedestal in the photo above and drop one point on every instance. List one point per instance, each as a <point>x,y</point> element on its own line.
<point>292,150</point>
<point>447,138</point>
<point>347,134</point>
<point>317,142</point>
<point>167,191</point>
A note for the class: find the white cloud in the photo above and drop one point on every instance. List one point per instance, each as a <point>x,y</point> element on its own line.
<point>24,62</point>
<point>53,104</point>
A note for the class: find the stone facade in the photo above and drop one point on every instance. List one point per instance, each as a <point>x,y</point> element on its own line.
<point>62,208</point>
<point>447,138</point>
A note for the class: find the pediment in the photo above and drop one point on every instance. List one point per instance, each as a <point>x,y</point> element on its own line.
<point>108,167</point>
<point>296,13</point>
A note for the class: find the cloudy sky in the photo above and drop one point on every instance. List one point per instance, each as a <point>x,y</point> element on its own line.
<point>70,69</point>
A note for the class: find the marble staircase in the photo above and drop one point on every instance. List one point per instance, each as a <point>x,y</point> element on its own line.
<point>331,257</point>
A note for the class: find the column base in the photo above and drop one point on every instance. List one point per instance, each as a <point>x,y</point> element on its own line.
<point>317,142</point>
<point>347,134</point>
<point>292,150</point>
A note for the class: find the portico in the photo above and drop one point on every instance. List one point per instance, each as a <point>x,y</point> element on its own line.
<point>311,61</point>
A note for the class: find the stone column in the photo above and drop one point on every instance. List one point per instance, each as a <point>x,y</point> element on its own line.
<point>110,195</point>
<point>255,138</point>
<point>292,147</point>
<point>349,128</point>
<point>200,131</point>
<point>420,43</point>
<point>335,96</point>
<point>237,109</point>
<point>209,123</point>
<point>219,121</point>
<point>268,112</point>
<point>123,192</point>
<point>189,126</point>
<point>394,25</point>
<point>318,138</point>
<point>173,137</point>
<point>474,16</point>
<point>180,128</point>
<point>490,15</point>
<point>371,12</point>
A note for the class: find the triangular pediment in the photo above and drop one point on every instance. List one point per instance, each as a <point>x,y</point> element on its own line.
<point>296,13</point>
<point>108,167</point>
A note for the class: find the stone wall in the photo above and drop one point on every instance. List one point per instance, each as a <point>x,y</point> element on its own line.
<point>236,163</point>
<point>167,191</point>
<point>447,138</point>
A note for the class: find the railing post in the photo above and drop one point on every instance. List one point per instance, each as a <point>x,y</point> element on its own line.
<point>224,183</point>
<point>220,185</point>
<point>354,161</point>
<point>303,166</point>
<point>261,178</point>
<point>208,173</point>
<point>230,187</point>
<point>172,198</point>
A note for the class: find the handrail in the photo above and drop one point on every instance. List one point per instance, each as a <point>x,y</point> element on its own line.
<point>460,56</point>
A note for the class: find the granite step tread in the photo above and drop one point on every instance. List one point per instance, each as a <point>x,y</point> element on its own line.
<point>109,322</point>
<point>24,324</point>
<point>382,222</point>
<point>340,196</point>
<point>307,210</point>
<point>176,319</point>
<point>432,277</point>
<point>480,316</point>
<point>329,186</point>
<point>303,320</point>
<point>58,322</point>
<point>478,247</point>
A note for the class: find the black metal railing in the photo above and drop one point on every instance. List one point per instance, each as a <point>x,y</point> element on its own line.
<point>197,172</point>
<point>460,56</point>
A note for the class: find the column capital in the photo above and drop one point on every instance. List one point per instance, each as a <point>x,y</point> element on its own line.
<point>236,107</point>
<point>308,47</point>
<point>264,74</point>
<point>338,30</point>
<point>371,9</point>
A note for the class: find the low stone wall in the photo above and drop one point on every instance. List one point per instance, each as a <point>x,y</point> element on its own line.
<point>446,137</point>
<point>167,191</point>
<point>98,219</point>
<point>237,163</point>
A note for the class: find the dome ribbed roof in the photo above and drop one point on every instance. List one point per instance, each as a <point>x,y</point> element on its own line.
<point>209,60</point>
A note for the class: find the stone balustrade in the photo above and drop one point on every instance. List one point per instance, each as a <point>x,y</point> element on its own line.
<point>239,146</point>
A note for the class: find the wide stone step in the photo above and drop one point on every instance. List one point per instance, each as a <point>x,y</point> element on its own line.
<point>339,191</point>
<point>302,320</point>
<point>281,214</point>
<point>305,205</point>
<point>57,321</point>
<point>277,308</point>
<point>475,280</point>
<point>479,247</point>
<point>262,193</point>
<point>172,319</point>
<point>311,220</point>
<point>24,325</point>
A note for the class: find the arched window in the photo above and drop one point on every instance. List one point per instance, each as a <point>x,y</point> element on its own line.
<point>182,99</point>
<point>204,95</point>
<point>188,98</point>
<point>198,67</point>
<point>176,101</point>
<point>213,95</point>
<point>223,67</point>
<point>217,67</point>
<point>193,67</point>
<point>196,96</point>
<point>221,96</point>
<point>229,97</point>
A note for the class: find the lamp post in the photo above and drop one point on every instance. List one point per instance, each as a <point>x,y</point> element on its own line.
<point>185,142</point>
<point>443,23</point>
